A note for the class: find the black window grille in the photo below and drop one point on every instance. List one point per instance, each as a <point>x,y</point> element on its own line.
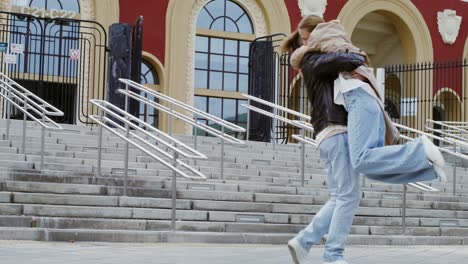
<point>224,15</point>
<point>225,108</point>
<point>222,63</point>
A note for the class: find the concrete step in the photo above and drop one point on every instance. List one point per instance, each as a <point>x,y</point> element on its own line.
<point>99,212</point>
<point>131,236</point>
<point>196,226</point>
<point>262,203</point>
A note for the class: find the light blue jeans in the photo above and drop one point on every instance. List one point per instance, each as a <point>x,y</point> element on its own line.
<point>366,131</point>
<point>336,216</point>
<point>361,150</point>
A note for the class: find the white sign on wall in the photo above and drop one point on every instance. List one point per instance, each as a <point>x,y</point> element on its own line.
<point>10,58</point>
<point>74,54</point>
<point>16,48</point>
<point>409,106</point>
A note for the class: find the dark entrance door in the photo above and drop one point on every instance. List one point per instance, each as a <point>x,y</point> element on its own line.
<point>438,115</point>
<point>62,60</point>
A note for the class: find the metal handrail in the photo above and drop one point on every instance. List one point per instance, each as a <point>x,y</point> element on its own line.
<point>452,139</point>
<point>181,116</point>
<point>282,108</point>
<point>24,100</point>
<point>134,122</point>
<point>129,120</point>
<point>107,109</point>
<point>453,153</point>
<point>304,126</point>
<point>188,119</point>
<point>26,94</point>
<point>458,155</point>
<point>184,106</point>
<point>446,131</point>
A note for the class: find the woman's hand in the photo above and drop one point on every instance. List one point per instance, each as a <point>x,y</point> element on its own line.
<point>358,76</point>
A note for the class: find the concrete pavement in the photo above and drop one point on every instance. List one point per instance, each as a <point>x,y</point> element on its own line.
<point>18,252</point>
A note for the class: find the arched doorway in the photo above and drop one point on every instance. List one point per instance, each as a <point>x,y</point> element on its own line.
<point>376,34</point>
<point>450,103</point>
<point>437,115</point>
<point>405,17</point>
<point>62,58</point>
<point>393,96</point>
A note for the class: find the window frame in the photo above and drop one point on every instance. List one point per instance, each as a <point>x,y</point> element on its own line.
<point>208,92</point>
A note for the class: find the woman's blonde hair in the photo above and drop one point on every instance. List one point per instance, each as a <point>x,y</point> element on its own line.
<point>293,41</point>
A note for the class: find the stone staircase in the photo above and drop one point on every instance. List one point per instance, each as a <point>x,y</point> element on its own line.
<point>259,199</point>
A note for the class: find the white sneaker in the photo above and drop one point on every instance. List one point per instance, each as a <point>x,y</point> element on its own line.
<point>435,157</point>
<point>298,253</point>
<point>337,262</point>
<point>433,152</point>
<point>440,173</point>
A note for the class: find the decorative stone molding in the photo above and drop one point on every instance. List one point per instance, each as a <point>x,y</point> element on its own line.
<point>86,6</point>
<point>87,9</point>
<point>449,25</point>
<point>312,7</point>
<point>5,5</point>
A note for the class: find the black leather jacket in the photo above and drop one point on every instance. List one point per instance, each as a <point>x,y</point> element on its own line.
<point>319,71</point>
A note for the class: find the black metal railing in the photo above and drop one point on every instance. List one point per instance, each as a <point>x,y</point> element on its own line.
<point>420,91</point>
<point>61,60</point>
<point>272,78</point>
<point>413,92</point>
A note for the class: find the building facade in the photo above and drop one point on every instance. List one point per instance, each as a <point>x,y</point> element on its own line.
<point>197,50</point>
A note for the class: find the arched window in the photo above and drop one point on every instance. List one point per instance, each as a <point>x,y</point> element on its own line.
<point>69,5</point>
<point>47,43</point>
<point>149,77</point>
<point>224,15</point>
<point>224,33</point>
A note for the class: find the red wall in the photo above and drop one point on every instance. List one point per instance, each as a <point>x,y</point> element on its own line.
<point>294,13</point>
<point>444,51</point>
<point>154,14</point>
<point>427,8</point>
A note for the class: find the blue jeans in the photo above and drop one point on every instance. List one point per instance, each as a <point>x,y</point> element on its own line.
<point>336,216</point>
<point>366,131</point>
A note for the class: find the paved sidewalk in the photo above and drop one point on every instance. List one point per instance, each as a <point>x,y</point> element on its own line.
<point>19,252</point>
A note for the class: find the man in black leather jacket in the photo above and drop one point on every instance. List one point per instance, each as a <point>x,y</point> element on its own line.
<point>319,71</point>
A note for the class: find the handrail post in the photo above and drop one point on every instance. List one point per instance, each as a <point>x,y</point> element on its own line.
<point>195,140</point>
<point>25,116</point>
<point>8,109</point>
<point>42,141</point>
<point>454,170</point>
<point>274,130</point>
<point>127,133</point>
<point>170,120</point>
<point>174,195</point>
<point>126,159</point>
<point>248,122</point>
<point>222,153</point>
<point>302,158</point>
<point>99,145</point>
<point>403,213</point>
